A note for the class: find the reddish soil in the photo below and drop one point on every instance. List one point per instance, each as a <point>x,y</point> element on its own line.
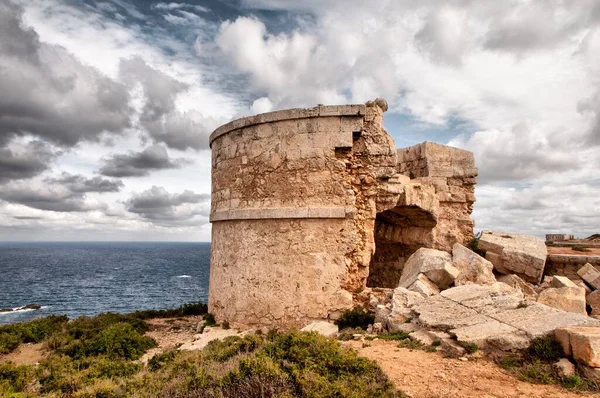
<point>26,354</point>
<point>427,375</point>
<point>567,250</point>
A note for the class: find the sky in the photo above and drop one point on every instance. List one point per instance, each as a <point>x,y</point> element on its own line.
<point>106,106</point>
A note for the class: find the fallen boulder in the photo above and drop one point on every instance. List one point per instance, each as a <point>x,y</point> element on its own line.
<point>583,343</point>
<point>569,299</point>
<point>523,255</point>
<point>564,367</point>
<point>424,286</point>
<point>324,328</point>
<point>436,265</point>
<point>471,266</point>
<point>514,281</point>
<point>590,274</point>
<point>561,281</point>
<point>593,301</point>
<point>403,301</point>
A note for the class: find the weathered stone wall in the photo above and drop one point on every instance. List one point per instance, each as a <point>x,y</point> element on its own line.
<point>309,204</point>
<point>568,264</point>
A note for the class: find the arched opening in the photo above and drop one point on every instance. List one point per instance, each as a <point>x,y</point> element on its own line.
<point>399,232</point>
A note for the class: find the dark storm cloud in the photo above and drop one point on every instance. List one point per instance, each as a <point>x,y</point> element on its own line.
<point>48,93</point>
<point>80,184</point>
<point>156,204</point>
<point>20,161</point>
<point>138,164</point>
<point>66,193</point>
<point>159,117</point>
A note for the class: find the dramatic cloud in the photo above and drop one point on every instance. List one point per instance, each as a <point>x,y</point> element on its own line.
<point>48,93</point>
<point>158,205</point>
<point>25,160</point>
<point>79,184</point>
<point>137,164</point>
<point>160,117</point>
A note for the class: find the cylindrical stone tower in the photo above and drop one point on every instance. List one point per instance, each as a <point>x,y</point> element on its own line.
<point>287,216</point>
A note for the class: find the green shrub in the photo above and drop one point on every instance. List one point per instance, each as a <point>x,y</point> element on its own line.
<point>580,249</point>
<point>400,335</point>
<point>14,378</point>
<point>355,318</point>
<point>158,361</point>
<point>538,372</point>
<point>29,332</point>
<point>209,319</point>
<point>572,381</point>
<point>470,348</point>
<point>545,348</point>
<point>197,308</point>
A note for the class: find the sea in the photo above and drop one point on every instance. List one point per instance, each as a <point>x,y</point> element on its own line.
<point>87,278</point>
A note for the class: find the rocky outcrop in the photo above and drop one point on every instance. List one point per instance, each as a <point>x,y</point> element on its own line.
<point>472,267</point>
<point>569,299</point>
<point>515,254</point>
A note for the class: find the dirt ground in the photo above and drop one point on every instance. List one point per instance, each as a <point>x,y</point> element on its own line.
<point>418,373</point>
<point>595,251</point>
<point>429,375</point>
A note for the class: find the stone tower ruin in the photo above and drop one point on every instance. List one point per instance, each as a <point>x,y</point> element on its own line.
<point>311,206</point>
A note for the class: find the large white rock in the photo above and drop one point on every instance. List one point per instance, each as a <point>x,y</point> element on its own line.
<point>436,265</point>
<point>325,328</point>
<point>523,255</point>
<point>471,266</point>
<point>569,299</point>
<point>424,286</point>
<point>403,301</point>
<point>590,274</point>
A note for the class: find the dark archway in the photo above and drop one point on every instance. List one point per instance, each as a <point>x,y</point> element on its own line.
<point>399,232</point>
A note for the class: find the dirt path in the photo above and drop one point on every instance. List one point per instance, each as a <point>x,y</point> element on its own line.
<point>26,354</point>
<point>429,375</point>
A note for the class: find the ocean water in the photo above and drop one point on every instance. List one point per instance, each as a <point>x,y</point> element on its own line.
<point>83,278</point>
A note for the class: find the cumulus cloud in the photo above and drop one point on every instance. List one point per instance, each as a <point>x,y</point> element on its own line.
<point>21,160</point>
<point>158,205</point>
<point>159,115</point>
<point>66,193</point>
<point>48,93</point>
<point>138,164</point>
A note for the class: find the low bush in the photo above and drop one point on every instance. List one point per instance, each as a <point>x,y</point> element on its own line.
<point>545,348</point>
<point>355,318</point>
<point>580,249</point>
<point>29,332</point>
<point>14,378</point>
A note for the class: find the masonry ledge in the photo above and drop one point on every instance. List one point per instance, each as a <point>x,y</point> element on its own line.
<point>281,213</point>
<point>288,114</point>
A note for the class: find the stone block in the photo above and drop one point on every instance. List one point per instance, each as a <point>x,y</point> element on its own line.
<point>593,301</point>
<point>518,283</point>
<point>472,267</point>
<point>442,313</point>
<point>537,319</point>
<point>324,328</point>
<point>569,299</point>
<point>583,344</point>
<point>436,265</point>
<point>485,299</point>
<point>523,255</point>
<point>590,274</point>
<point>561,281</point>
<point>424,286</point>
<point>564,367</point>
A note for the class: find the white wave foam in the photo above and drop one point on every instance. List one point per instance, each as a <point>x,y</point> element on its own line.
<point>183,276</point>
<point>18,310</point>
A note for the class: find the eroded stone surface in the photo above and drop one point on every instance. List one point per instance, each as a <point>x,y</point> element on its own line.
<point>561,281</point>
<point>590,274</point>
<point>324,328</point>
<point>523,255</point>
<point>436,265</point>
<point>485,299</point>
<point>593,300</point>
<point>424,286</point>
<point>518,283</point>
<point>570,299</point>
<point>472,267</point>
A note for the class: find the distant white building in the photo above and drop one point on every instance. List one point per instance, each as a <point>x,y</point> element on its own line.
<point>558,237</point>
